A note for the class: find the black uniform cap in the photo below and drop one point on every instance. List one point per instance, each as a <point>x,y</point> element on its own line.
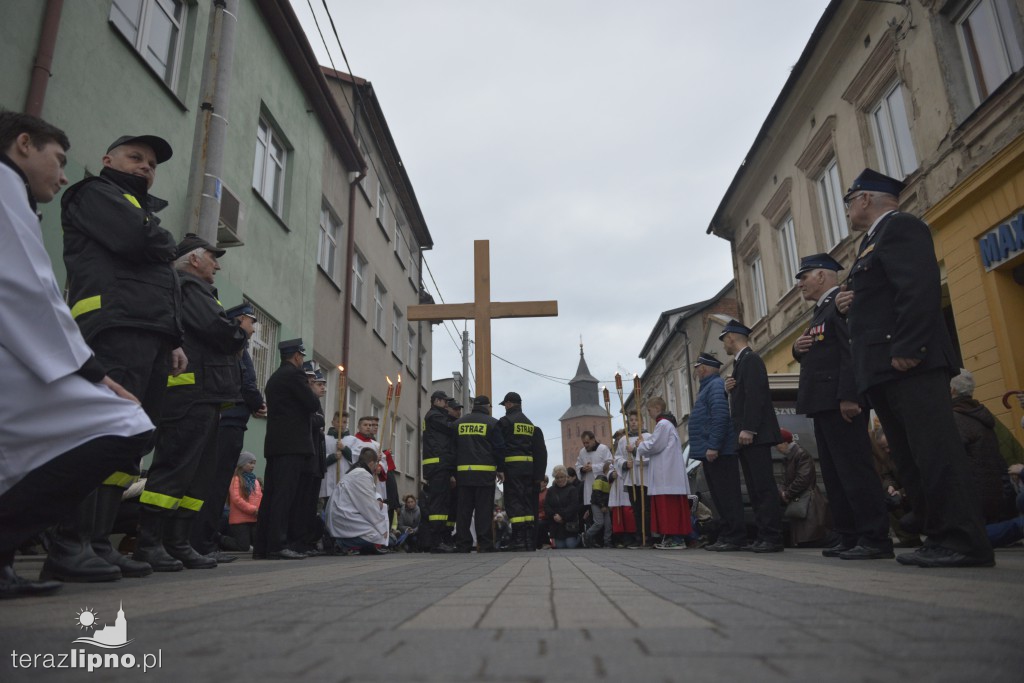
<point>193,241</point>
<point>161,148</point>
<point>287,348</point>
<point>708,359</point>
<point>511,397</point>
<point>871,180</point>
<point>816,261</point>
<point>734,326</point>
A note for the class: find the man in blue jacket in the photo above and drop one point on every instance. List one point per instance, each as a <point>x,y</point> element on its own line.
<point>713,441</point>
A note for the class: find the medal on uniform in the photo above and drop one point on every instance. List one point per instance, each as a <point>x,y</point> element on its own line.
<point>817,332</point>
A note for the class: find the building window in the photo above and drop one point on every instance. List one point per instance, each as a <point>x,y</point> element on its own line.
<point>396,331</point>
<point>154,28</point>
<point>382,207</point>
<point>830,196</point>
<point>990,45</point>
<point>396,452</point>
<point>760,300</point>
<point>787,248</point>
<point>684,385</point>
<point>410,439</point>
<point>377,411</point>
<point>263,345</point>
<point>411,353</point>
<point>352,406</point>
<point>401,250</point>
<point>379,294</point>
<point>327,247</point>
<point>671,391</point>
<point>358,281</point>
<point>892,135</point>
<point>269,166</point>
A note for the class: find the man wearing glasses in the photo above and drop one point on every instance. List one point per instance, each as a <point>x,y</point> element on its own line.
<point>903,359</point>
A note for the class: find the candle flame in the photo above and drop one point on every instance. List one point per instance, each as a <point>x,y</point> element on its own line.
<point>388,379</point>
<point>399,378</point>
<point>341,368</point>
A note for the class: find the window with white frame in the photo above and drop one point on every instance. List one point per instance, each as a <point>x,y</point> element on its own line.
<point>396,452</point>
<point>269,166</point>
<point>358,281</point>
<point>327,247</point>
<point>379,294</point>
<point>352,405</point>
<point>684,385</point>
<point>401,250</point>
<point>155,28</point>
<point>382,206</point>
<point>670,389</point>
<point>396,331</point>
<point>410,439</point>
<point>411,350</point>
<point>990,44</point>
<point>891,129</point>
<point>377,411</point>
<point>760,299</point>
<point>786,232</point>
<point>830,198</point>
<point>263,345</point>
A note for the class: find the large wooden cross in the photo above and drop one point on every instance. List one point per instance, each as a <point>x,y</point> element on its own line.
<point>482,310</point>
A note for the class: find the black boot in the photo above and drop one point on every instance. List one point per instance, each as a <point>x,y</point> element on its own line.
<point>149,547</point>
<point>518,541</point>
<point>71,557</point>
<point>176,540</point>
<point>530,537</point>
<point>14,586</point>
<point>108,500</point>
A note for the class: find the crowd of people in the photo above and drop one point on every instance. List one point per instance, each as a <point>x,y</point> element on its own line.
<point>143,356</point>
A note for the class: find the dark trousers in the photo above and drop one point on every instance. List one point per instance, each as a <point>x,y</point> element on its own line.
<point>140,361</point>
<point>478,499</point>
<point>184,461</point>
<point>519,490</point>
<point>280,496</point>
<point>304,527</point>
<point>855,497</point>
<point>917,416</point>
<point>723,477</point>
<point>638,494</point>
<point>53,490</point>
<point>230,439</point>
<point>756,461</point>
<point>438,506</point>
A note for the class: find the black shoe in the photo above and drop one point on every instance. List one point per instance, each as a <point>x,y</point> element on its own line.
<point>723,547</point>
<point>221,557</point>
<point>14,586</point>
<point>108,501</point>
<point>71,557</point>
<point>443,549</point>
<point>766,547</point>
<point>939,557</point>
<point>286,554</point>
<point>748,547</point>
<point>866,552</point>
<point>149,547</point>
<point>835,550</point>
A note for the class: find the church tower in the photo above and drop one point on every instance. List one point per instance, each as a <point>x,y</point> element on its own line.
<point>585,413</point>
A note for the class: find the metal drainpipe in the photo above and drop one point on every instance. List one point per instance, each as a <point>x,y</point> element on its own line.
<point>350,253</point>
<point>40,76</point>
<point>212,124</point>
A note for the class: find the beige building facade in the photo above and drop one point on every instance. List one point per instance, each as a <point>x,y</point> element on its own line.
<point>926,91</point>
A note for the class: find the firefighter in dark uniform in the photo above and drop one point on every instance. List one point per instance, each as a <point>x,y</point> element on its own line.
<point>234,420</point>
<point>479,449</point>
<point>288,447</point>
<point>828,394</point>
<point>517,431</point>
<point>902,359</point>
<point>454,413</point>
<point>186,439</point>
<point>124,296</point>
<point>438,469</point>
<point>540,468</point>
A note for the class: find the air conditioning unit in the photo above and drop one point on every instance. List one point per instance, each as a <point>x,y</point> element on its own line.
<point>230,224</point>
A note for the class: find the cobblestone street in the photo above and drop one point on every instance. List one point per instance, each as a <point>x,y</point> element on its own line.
<point>547,616</point>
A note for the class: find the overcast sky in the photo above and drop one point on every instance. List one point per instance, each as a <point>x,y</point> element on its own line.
<point>589,141</point>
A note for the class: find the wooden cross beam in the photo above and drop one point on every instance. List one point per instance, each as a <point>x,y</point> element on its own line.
<point>481,311</point>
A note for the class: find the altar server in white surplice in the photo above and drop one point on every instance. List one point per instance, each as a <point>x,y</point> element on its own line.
<point>64,425</point>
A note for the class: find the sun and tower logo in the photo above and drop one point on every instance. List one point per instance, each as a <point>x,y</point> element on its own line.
<point>109,637</point>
